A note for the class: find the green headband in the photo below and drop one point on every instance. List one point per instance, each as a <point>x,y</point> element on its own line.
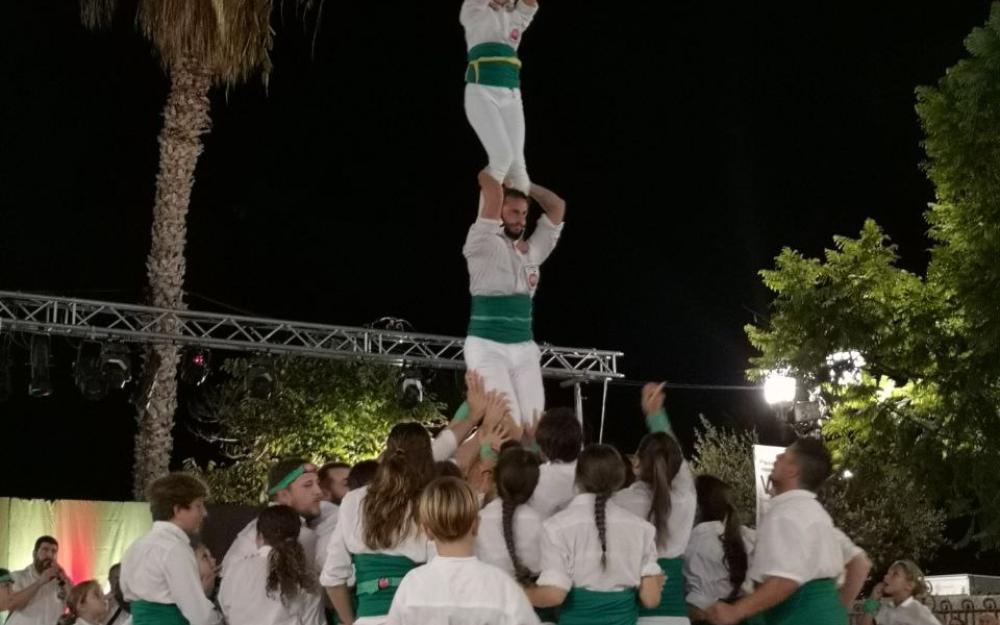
<point>286,481</point>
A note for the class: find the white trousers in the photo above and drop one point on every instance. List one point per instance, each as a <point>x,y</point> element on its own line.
<point>511,368</point>
<point>497,116</point>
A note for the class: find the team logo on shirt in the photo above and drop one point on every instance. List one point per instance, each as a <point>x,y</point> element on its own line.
<point>515,34</point>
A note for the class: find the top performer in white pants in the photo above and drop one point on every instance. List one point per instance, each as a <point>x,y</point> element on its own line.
<point>493,31</point>
<point>504,270</point>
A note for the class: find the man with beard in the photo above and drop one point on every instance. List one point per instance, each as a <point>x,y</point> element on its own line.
<point>504,271</point>
<point>292,482</point>
<point>39,591</point>
<point>159,576</point>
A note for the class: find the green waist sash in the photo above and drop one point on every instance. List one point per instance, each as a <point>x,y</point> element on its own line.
<point>149,613</point>
<point>378,577</point>
<point>495,65</point>
<point>591,607</point>
<point>814,603</point>
<point>501,318</point>
<point>672,602</point>
<point>547,615</point>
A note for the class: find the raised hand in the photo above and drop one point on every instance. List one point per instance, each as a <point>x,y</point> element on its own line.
<point>475,394</point>
<point>652,398</point>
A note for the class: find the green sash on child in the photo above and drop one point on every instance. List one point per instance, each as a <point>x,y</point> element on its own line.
<point>378,577</point>
<point>592,607</point>
<point>814,603</point>
<point>149,613</point>
<point>672,602</point>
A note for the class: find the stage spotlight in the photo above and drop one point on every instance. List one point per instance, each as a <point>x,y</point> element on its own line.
<point>116,365</point>
<point>87,371</point>
<point>411,390</point>
<point>260,381</point>
<point>196,365</point>
<point>779,388</point>
<point>41,379</point>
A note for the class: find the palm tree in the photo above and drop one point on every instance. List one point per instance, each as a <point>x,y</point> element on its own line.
<point>201,44</point>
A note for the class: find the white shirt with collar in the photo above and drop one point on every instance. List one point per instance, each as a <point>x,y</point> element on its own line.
<point>245,545</point>
<point>245,600</point>
<point>485,25</point>
<point>796,540</point>
<point>571,548</point>
<point>460,590</point>
<point>705,572</point>
<point>638,499</point>
<point>909,612</point>
<point>556,488</point>
<point>160,567</point>
<point>348,539</point>
<point>491,546</point>
<point>329,512</point>
<point>45,607</point>
<point>497,267</point>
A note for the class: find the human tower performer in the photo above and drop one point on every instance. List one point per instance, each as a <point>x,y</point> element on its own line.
<point>503,265</point>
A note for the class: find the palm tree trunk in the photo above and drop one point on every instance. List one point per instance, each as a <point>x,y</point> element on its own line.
<point>185,119</point>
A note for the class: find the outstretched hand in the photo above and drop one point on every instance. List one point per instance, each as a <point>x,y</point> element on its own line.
<point>475,395</point>
<point>652,398</point>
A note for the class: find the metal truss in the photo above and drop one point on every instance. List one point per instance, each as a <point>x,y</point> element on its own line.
<point>96,320</point>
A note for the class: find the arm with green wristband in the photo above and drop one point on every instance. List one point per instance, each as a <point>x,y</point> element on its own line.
<point>652,406</point>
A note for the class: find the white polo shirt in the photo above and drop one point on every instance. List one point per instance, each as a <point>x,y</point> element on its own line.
<point>796,540</point>
<point>244,598</point>
<point>556,488</point>
<point>485,25</point>
<point>348,539</point>
<point>45,607</point>
<point>705,572</point>
<point>160,567</point>
<point>460,590</point>
<point>571,548</point>
<point>910,612</point>
<point>497,267</point>
<point>491,546</point>
<point>638,499</point>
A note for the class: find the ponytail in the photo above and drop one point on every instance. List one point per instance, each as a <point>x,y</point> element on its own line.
<point>288,571</point>
<point>660,459</point>
<point>715,504</point>
<point>389,508</point>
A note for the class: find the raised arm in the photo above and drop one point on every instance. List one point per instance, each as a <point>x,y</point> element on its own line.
<point>492,196</point>
<point>553,205</point>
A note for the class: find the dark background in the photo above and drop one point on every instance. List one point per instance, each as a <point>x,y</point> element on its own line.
<point>692,140</point>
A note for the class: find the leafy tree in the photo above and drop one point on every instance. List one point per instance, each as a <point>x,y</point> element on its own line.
<point>927,399</point>
<point>728,455</point>
<point>319,409</point>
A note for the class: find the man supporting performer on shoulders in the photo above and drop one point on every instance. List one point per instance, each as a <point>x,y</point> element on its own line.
<point>503,277</point>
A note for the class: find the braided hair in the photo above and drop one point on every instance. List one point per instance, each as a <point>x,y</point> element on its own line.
<point>516,476</point>
<point>600,471</point>
<point>715,504</point>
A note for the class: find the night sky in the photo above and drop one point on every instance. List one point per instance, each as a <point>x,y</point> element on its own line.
<point>692,140</point>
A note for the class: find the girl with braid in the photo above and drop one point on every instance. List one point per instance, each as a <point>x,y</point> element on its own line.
<point>510,530</point>
<point>276,585</point>
<point>664,494</point>
<point>378,539</point>
<point>718,555</point>
<point>596,556</point>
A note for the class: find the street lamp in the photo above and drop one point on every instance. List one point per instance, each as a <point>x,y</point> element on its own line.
<point>779,388</point>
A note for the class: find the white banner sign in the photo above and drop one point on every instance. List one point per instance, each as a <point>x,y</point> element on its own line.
<point>763,462</point>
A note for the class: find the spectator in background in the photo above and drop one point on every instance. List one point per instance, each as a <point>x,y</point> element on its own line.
<point>86,605</point>
<point>361,474</point>
<point>38,591</point>
<point>333,481</point>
